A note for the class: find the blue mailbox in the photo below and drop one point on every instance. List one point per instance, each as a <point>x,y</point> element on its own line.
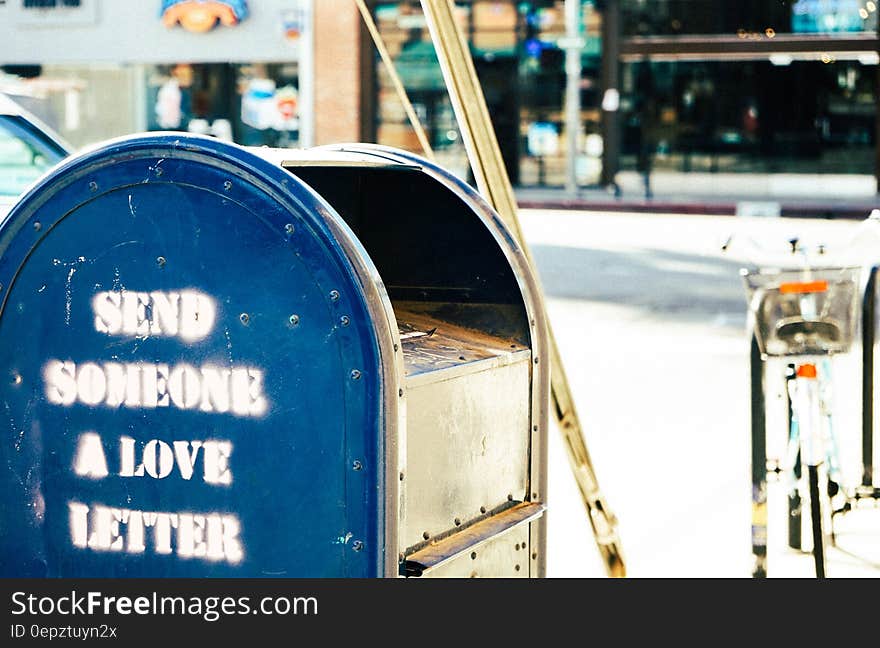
<point>219,361</point>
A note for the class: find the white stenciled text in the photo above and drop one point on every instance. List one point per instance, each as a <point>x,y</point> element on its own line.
<point>210,536</point>
<point>155,459</point>
<point>188,314</point>
<point>155,451</point>
<point>237,391</point>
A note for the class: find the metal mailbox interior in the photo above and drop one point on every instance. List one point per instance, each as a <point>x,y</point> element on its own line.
<point>408,381</point>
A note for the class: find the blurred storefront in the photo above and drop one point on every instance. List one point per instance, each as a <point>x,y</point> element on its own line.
<point>679,85</point>
<point>95,69</point>
<point>749,86</point>
<point>519,56</point>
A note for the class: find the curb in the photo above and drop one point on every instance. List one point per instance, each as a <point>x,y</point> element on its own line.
<point>830,211</point>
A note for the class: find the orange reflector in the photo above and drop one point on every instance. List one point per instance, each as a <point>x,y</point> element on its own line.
<point>806,371</point>
<point>803,287</point>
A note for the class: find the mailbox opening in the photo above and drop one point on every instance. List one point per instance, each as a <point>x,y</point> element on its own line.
<point>436,258</point>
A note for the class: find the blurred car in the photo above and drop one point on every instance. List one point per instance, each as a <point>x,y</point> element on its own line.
<point>27,149</point>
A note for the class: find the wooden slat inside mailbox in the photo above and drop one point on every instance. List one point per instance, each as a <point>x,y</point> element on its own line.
<point>433,345</point>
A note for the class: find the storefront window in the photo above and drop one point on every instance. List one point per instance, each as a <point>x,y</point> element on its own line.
<point>251,104</point>
<point>543,82</point>
<point>405,32</point>
<point>752,116</point>
<point>833,16</point>
<point>516,52</point>
<point>749,18</point>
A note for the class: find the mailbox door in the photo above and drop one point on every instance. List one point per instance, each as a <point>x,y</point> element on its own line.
<point>475,346</point>
<point>189,373</point>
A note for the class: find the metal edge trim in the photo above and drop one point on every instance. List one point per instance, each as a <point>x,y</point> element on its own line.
<point>456,371</point>
<point>392,406</point>
<point>443,551</point>
<point>296,164</point>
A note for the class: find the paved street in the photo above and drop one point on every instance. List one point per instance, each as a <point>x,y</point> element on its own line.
<point>650,318</point>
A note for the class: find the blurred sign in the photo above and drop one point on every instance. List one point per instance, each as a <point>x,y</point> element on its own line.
<point>200,16</point>
<point>168,105</point>
<point>264,106</point>
<point>286,102</point>
<point>594,145</point>
<point>823,16</point>
<point>749,209</point>
<point>611,100</point>
<point>494,26</point>
<point>50,4</point>
<point>293,22</point>
<point>543,139</point>
<point>52,13</point>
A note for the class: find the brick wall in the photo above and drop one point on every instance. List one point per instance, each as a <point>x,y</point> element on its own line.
<point>343,72</point>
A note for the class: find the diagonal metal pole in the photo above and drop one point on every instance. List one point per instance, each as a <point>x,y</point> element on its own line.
<point>395,78</point>
<point>493,182</point>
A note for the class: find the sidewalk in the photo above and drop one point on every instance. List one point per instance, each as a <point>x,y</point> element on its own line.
<point>724,194</point>
<point>651,321</point>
